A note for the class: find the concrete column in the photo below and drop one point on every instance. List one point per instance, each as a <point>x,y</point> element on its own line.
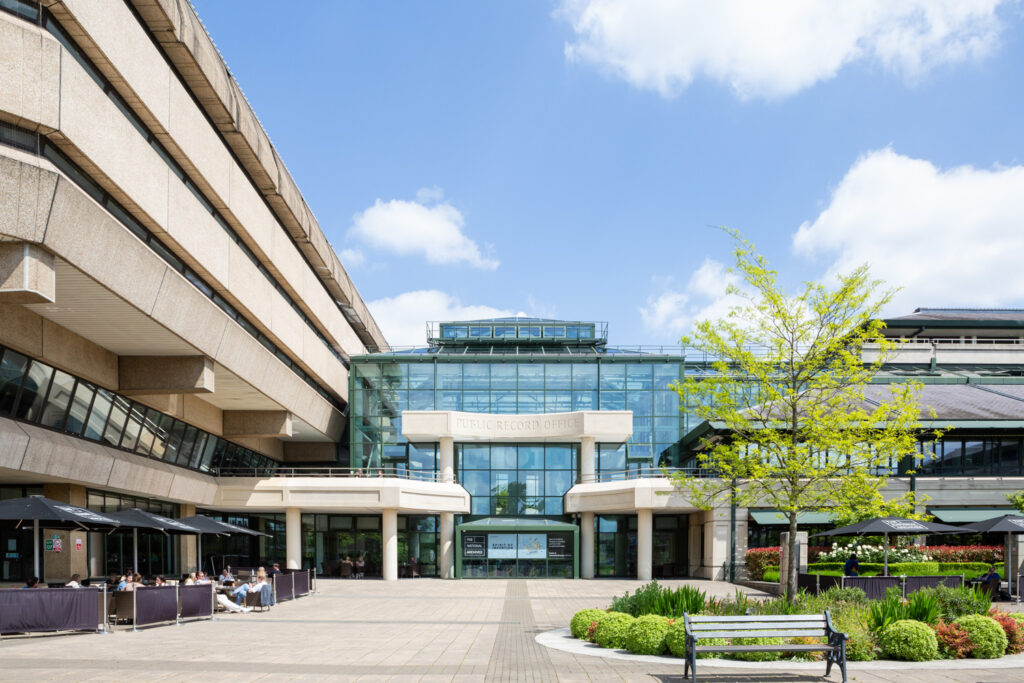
<point>644,544</point>
<point>293,537</point>
<point>447,545</point>
<point>447,463</point>
<point>1013,559</point>
<point>587,459</point>
<point>587,545</point>
<point>389,544</point>
<point>187,542</point>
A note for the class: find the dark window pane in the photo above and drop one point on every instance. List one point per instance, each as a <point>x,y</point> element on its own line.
<point>33,391</point>
<point>162,426</point>
<point>188,442</point>
<point>12,370</point>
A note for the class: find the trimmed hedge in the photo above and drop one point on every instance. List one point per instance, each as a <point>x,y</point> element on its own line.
<point>582,620</point>
<point>987,636</point>
<point>612,630</point>
<point>675,638</point>
<point>646,635</point>
<point>910,640</point>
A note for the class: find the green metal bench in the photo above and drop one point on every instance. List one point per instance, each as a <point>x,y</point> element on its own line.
<point>787,626</point>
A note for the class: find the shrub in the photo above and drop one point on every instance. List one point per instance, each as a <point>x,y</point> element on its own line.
<point>837,595</point>
<point>611,631</point>
<point>675,638</point>
<point>954,642</point>
<point>597,619</point>
<point>711,641</point>
<point>874,553</point>
<point>884,613</point>
<point>581,621</point>
<point>987,554</point>
<point>806,656</point>
<point>759,559</point>
<point>923,606</point>
<point>958,602</point>
<point>862,645</point>
<point>909,640</point>
<point>1012,629</point>
<point>988,640</point>
<point>646,635</point>
<point>969,569</point>
<point>771,574</point>
<point>655,599</point>
<point>756,656</point>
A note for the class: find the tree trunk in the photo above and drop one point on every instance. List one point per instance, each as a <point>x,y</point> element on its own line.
<point>793,567</point>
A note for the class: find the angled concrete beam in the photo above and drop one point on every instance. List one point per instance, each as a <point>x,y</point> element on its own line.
<point>165,375</point>
<point>309,451</point>
<point>262,423</point>
<point>27,274</point>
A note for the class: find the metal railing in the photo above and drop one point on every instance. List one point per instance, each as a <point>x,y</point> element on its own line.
<point>647,472</point>
<point>384,472</point>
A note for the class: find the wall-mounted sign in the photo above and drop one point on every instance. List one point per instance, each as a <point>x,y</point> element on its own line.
<point>559,548</point>
<point>501,546</point>
<point>54,544</point>
<point>78,544</point>
<point>474,546</point>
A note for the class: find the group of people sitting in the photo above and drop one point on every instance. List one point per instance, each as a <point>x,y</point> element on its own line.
<point>350,569</point>
<point>258,584</point>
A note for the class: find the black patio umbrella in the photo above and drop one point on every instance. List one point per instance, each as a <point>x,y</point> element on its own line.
<point>1006,524</point>
<point>896,526</point>
<point>55,514</point>
<point>207,525</point>
<point>136,519</point>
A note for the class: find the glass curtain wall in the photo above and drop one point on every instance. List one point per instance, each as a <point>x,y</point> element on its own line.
<point>516,479</point>
<point>17,543</point>
<point>381,388</point>
<point>328,540</point>
<point>35,392</point>
<point>239,550</point>
<point>114,552</point>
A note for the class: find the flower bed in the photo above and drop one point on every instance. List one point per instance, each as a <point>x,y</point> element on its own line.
<point>933,623</point>
<point>760,559</point>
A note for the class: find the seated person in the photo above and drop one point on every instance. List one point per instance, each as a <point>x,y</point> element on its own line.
<point>991,575</point>
<point>129,582</point>
<point>345,568</point>
<point>852,566</point>
<point>223,601</point>
<point>191,580</point>
<point>255,585</point>
<point>74,582</point>
<point>360,567</point>
<point>159,581</point>
<point>275,569</point>
<point>122,582</point>
<point>202,579</point>
<point>225,576</point>
<point>32,582</point>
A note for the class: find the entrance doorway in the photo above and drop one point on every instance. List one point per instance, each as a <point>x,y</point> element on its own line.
<point>671,543</point>
<point>506,548</point>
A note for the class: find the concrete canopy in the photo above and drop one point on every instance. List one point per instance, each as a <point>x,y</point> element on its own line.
<point>606,426</point>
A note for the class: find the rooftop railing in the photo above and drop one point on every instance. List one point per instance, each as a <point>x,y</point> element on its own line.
<point>642,473</point>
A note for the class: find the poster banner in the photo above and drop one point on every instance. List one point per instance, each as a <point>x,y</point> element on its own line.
<point>533,546</point>
<point>560,547</point>
<point>501,546</point>
<point>474,546</point>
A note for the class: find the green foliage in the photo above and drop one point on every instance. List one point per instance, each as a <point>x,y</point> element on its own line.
<point>789,386</point>
<point>1012,629</point>
<point>837,595</point>
<point>771,574</point>
<point>734,606</point>
<point>957,602</point>
<point>923,606</point>
<point>954,642</point>
<point>988,640</point>
<point>876,568</point>
<point>711,641</point>
<point>780,605</point>
<point>886,612</point>
<point>582,620</point>
<point>653,598</point>
<point>1016,500</point>
<point>675,638</point>
<point>646,635</point>
<point>756,656</point>
<point>612,630</point>
<point>970,570</point>
<point>909,640</point>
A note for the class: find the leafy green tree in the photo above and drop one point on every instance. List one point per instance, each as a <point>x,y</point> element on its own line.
<point>788,394</point>
<point>1016,500</point>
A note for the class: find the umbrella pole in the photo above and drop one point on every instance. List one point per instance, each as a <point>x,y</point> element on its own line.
<point>886,541</point>
<point>135,550</point>
<point>199,551</point>
<point>35,547</point>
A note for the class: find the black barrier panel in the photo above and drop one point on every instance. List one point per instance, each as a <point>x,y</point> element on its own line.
<point>154,604</point>
<point>300,582</point>
<point>916,583</point>
<point>25,610</point>
<point>814,583</point>
<point>873,586</point>
<point>195,601</point>
<point>284,586</point>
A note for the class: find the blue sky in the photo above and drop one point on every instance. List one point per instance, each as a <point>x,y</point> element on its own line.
<point>571,159</point>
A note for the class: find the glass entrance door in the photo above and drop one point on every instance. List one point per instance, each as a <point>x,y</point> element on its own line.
<point>670,557</point>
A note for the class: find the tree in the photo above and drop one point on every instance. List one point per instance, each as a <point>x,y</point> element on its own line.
<point>786,398</point>
<point>1016,500</point>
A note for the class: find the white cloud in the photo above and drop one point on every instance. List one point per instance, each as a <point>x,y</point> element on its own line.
<point>948,237</point>
<point>773,49</point>
<point>406,227</point>
<point>352,258</point>
<point>704,297</point>
<point>428,195</point>
<point>403,318</point>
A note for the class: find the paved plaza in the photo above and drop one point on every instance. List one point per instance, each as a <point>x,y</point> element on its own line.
<point>412,630</point>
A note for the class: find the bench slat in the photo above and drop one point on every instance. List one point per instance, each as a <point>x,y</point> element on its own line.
<point>764,648</point>
<point>698,619</point>
<point>734,625</point>
<point>795,633</point>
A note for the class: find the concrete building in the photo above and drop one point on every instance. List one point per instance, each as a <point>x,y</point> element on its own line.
<point>177,334</point>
